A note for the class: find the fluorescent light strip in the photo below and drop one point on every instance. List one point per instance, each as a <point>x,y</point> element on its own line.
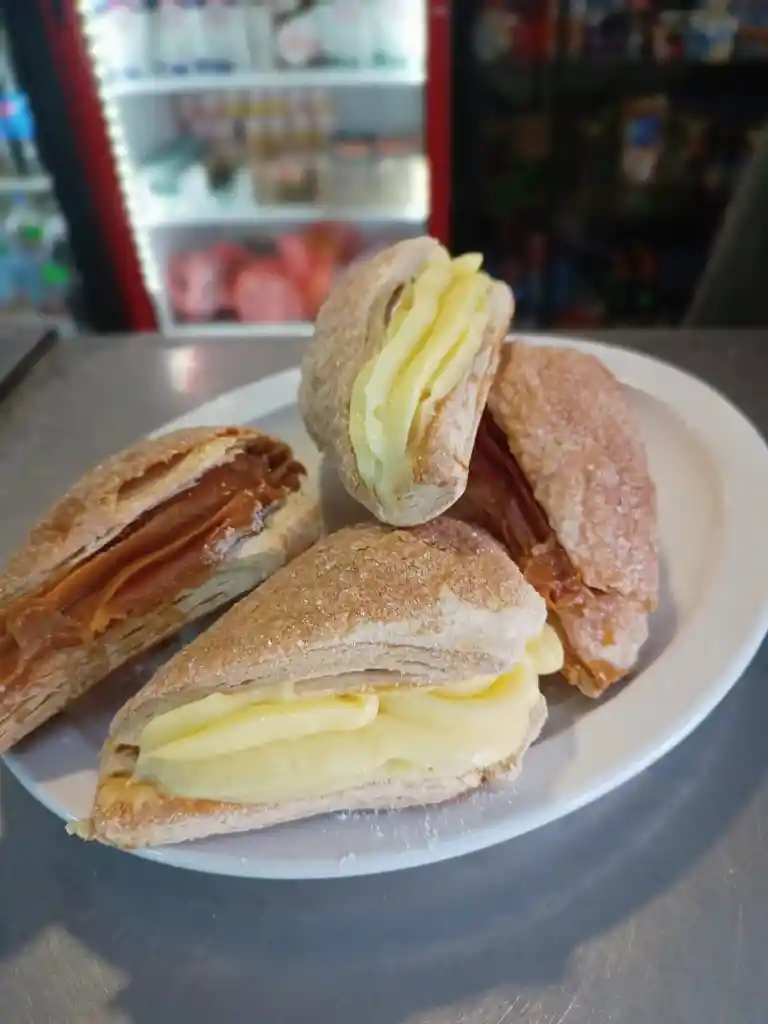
<point>126,172</point>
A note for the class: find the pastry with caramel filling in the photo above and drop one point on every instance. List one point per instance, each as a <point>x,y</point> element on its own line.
<point>397,375</point>
<point>560,475</point>
<point>380,669</point>
<point>153,538</point>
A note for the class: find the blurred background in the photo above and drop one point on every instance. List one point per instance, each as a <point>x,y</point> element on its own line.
<point>210,166</point>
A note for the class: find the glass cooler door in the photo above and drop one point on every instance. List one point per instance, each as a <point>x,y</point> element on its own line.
<point>606,139</point>
<point>261,146</point>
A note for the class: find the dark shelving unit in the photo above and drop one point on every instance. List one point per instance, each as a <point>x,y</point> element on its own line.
<point>571,217</point>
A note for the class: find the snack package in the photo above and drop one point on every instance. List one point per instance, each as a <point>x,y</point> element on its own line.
<point>711,33</point>
<point>194,283</point>
<point>605,28</point>
<point>669,36</point>
<point>260,292</point>
<point>752,39</point>
<point>643,125</point>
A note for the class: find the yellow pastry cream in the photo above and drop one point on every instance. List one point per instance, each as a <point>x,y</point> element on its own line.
<point>244,750</point>
<point>434,332</point>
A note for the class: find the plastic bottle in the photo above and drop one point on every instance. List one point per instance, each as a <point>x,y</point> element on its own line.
<point>398,32</point>
<point>352,44</point>
<point>174,37</point>
<point>260,33</point>
<point>18,122</point>
<point>225,34</point>
<point>7,164</point>
<point>8,288</point>
<point>124,29</point>
<point>56,282</point>
<point>297,40</point>
<point>24,225</point>
<point>20,132</point>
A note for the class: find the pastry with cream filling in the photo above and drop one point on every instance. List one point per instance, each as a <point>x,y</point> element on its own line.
<point>560,475</point>
<point>397,375</point>
<point>382,668</point>
<point>155,537</point>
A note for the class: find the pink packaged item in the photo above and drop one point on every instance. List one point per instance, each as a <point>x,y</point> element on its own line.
<point>260,292</point>
<point>194,284</point>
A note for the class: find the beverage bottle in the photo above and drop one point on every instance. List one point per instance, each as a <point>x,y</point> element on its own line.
<point>239,34</point>
<point>20,130</point>
<point>260,33</point>
<point>124,29</point>
<point>320,111</point>
<point>296,38</point>
<point>326,30</point>
<point>142,20</point>
<point>254,125</point>
<point>255,135</point>
<point>8,290</point>
<point>224,29</point>
<point>19,125</point>
<point>56,283</point>
<point>352,34</point>
<point>274,124</point>
<point>399,32</point>
<point>7,167</point>
<point>7,162</point>
<point>174,37</point>
<point>25,229</point>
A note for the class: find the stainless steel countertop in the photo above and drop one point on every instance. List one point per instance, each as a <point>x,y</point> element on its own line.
<point>648,907</point>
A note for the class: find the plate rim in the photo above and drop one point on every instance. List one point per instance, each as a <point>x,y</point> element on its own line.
<point>741,464</point>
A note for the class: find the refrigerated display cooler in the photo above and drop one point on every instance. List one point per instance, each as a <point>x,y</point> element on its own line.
<point>242,153</point>
<point>37,277</point>
<point>601,142</point>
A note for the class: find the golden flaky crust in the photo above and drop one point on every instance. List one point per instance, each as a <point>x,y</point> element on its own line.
<point>94,512</point>
<point>570,428</point>
<point>602,637</point>
<point>63,675</point>
<point>112,495</point>
<point>131,815</point>
<point>350,330</point>
<point>440,602</point>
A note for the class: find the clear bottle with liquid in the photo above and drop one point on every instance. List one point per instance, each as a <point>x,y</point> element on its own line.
<point>260,31</point>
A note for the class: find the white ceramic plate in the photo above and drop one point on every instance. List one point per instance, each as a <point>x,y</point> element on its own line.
<point>711,470</point>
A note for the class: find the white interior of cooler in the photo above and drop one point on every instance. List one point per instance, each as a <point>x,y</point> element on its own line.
<point>197,243</point>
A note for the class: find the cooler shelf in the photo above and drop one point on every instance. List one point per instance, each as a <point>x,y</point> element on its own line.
<point>39,183</point>
<point>225,329</point>
<point>237,207</point>
<point>167,215</point>
<point>319,78</point>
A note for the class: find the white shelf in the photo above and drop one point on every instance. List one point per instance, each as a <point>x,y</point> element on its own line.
<point>369,203</point>
<point>225,329</point>
<point>170,214</point>
<point>35,184</point>
<point>322,78</point>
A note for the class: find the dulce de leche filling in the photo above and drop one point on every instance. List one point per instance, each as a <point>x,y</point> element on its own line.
<point>503,499</point>
<point>171,548</point>
<point>500,499</point>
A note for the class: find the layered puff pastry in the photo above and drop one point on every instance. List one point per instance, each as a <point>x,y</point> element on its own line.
<point>155,537</point>
<point>397,375</point>
<point>560,475</point>
<point>382,668</point>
